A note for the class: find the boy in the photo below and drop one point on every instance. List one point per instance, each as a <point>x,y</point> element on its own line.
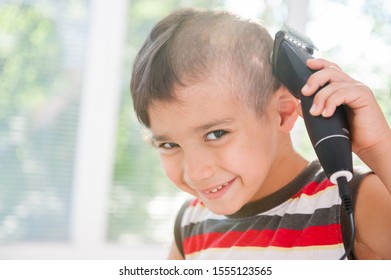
<point>203,85</point>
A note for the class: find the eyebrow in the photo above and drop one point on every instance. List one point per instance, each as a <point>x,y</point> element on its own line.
<point>159,138</point>
<point>201,128</point>
<point>214,123</point>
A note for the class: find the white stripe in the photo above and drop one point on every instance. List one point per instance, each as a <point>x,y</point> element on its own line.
<point>198,214</point>
<point>304,204</point>
<point>331,252</point>
<point>307,204</point>
<point>331,136</point>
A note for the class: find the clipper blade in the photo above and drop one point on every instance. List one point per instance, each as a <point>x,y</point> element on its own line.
<point>298,38</point>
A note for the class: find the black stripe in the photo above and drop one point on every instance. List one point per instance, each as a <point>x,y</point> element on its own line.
<point>177,227</point>
<point>322,216</point>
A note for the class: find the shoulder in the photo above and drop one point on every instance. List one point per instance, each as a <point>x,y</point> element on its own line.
<point>192,211</point>
<point>187,214</point>
<point>373,223</point>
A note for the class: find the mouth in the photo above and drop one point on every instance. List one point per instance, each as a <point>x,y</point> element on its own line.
<point>218,188</point>
<point>215,190</point>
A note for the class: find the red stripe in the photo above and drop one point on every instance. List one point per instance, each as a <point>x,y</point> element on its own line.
<point>195,202</point>
<point>313,188</point>
<point>285,238</point>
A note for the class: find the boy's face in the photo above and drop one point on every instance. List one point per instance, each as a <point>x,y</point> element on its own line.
<point>214,147</point>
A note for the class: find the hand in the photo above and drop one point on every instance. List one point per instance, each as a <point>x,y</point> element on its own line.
<point>368,126</point>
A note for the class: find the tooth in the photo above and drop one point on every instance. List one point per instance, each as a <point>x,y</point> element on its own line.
<point>216,189</point>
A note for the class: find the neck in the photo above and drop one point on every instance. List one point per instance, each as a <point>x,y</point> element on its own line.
<point>287,166</point>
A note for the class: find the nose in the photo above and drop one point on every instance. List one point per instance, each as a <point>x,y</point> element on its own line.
<point>198,166</point>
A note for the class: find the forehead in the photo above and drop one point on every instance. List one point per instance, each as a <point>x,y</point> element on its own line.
<point>212,90</point>
<point>196,104</point>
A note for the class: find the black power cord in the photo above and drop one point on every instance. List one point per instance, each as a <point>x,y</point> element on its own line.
<point>345,195</point>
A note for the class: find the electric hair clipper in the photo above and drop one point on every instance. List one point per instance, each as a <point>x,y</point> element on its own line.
<point>329,136</point>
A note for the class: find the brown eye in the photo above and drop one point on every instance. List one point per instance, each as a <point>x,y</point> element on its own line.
<point>214,135</point>
<point>168,146</point>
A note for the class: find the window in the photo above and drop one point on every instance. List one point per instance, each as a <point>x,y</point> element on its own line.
<point>42,54</point>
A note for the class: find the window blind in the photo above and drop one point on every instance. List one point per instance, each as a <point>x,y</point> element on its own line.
<point>41,58</point>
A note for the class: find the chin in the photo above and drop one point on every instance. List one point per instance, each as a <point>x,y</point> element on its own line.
<point>223,209</point>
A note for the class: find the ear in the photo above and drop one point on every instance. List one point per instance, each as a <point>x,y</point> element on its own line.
<point>287,111</point>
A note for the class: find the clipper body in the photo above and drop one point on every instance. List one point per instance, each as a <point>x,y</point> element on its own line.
<point>329,136</point>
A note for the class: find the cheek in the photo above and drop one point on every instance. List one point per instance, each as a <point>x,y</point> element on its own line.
<point>173,168</point>
<point>251,159</point>
<point>253,154</point>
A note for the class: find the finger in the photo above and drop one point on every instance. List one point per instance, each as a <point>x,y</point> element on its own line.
<point>323,96</point>
<point>322,77</point>
<point>333,102</point>
<point>355,96</point>
<point>321,63</point>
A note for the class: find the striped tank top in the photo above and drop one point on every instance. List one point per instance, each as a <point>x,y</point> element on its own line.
<point>303,220</point>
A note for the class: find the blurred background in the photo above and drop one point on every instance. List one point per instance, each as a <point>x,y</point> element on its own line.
<point>76,179</point>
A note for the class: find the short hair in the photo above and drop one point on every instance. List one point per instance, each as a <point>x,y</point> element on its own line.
<point>191,44</point>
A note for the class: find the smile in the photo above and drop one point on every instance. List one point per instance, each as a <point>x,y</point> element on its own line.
<point>216,189</point>
<point>219,188</point>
